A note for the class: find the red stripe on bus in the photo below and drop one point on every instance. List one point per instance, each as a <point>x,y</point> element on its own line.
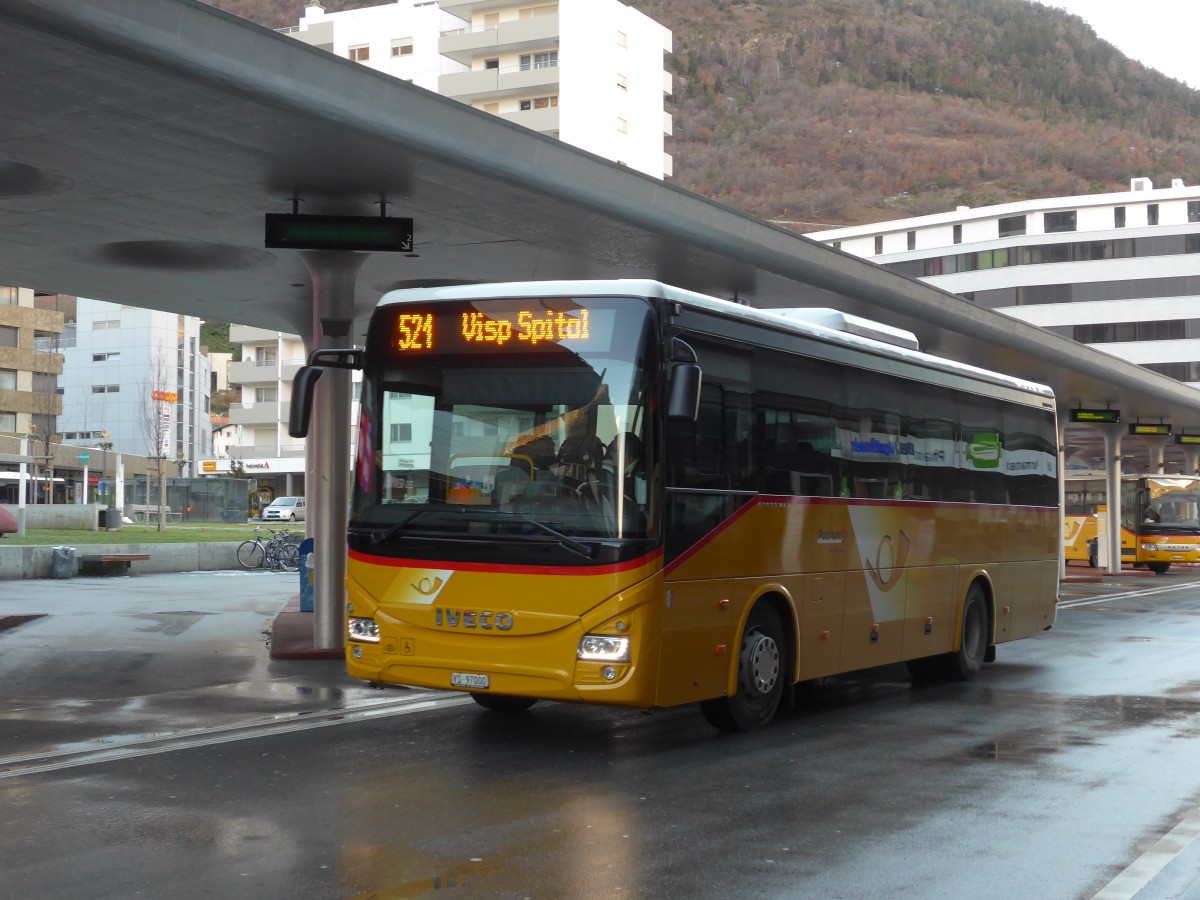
<point>503,569</point>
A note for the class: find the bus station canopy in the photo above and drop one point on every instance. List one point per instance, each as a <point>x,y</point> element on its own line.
<point>142,142</point>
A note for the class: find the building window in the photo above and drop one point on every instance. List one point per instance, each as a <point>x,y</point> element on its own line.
<point>1194,210</point>
<point>265,356</point>
<point>1011,226</point>
<point>106,357</point>
<point>491,63</point>
<point>1191,243</point>
<point>878,244</point>
<point>532,12</point>
<point>546,60</point>
<point>1118,217</point>
<point>8,379</point>
<point>106,389</point>
<point>8,336</point>
<point>912,240</point>
<point>1151,213</point>
<point>266,394</point>
<point>360,54</point>
<point>1057,222</point>
<point>401,432</point>
<point>837,245</point>
<point>8,296</point>
<point>8,421</point>
<point>402,47</point>
<point>539,103</point>
<point>958,234</point>
<point>106,325</point>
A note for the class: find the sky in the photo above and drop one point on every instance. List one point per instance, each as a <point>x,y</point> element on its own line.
<point>1160,34</point>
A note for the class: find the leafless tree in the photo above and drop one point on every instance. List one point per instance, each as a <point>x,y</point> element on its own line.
<point>157,407</point>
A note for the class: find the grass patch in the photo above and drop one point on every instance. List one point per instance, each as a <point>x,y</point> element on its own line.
<point>138,533</point>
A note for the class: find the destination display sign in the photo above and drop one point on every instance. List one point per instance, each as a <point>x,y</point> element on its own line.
<point>1149,429</point>
<point>1193,439</point>
<point>1096,416</point>
<point>422,333</point>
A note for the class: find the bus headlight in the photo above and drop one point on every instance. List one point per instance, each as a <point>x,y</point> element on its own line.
<point>604,648</point>
<point>363,630</point>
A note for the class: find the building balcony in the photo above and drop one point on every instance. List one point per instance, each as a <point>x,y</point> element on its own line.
<point>467,44</point>
<point>543,120</point>
<point>316,34</point>
<point>291,449</point>
<point>464,9</point>
<point>256,415</point>
<point>253,371</point>
<point>493,84</point>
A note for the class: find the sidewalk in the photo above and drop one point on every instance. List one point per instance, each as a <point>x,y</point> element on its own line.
<point>292,635</point>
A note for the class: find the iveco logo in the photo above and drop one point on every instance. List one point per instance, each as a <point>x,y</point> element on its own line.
<point>470,618</point>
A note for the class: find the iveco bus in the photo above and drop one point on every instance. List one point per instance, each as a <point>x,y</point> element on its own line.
<point>620,492</point>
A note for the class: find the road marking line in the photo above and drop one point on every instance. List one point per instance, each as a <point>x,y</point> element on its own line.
<point>1143,869</point>
<point>1127,594</point>
<point>223,734</point>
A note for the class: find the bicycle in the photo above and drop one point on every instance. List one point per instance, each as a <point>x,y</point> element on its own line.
<point>279,552</point>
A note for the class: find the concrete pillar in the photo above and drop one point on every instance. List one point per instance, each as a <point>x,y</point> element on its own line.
<point>327,447</point>
<point>1156,446</point>
<point>1191,456</point>
<point>1062,499</point>
<point>1112,467</point>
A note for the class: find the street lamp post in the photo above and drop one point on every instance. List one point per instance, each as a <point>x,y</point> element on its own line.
<point>105,446</point>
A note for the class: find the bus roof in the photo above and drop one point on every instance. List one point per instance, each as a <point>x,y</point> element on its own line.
<point>775,320</point>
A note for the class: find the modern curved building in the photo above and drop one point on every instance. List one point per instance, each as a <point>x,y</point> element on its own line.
<point>1119,272</point>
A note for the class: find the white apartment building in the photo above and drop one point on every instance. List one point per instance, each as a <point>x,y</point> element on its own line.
<point>588,72</point>
<point>255,442</point>
<point>136,378</point>
<point>1119,272</point>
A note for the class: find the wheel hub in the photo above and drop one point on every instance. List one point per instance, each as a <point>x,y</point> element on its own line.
<point>763,668</point>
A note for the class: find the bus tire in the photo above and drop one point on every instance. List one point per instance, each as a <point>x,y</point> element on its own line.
<point>965,663</point>
<point>1093,555</point>
<point>761,676</point>
<point>1158,568</point>
<point>503,703</point>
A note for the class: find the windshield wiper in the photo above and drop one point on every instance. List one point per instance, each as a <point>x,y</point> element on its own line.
<point>565,539</point>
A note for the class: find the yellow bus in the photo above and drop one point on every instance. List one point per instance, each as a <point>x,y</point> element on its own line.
<point>1160,519</point>
<point>624,493</point>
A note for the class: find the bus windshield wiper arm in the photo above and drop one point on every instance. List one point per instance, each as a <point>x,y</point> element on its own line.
<point>565,539</point>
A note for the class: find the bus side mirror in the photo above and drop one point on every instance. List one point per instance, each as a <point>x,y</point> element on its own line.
<point>301,406</point>
<point>302,384</point>
<point>683,395</point>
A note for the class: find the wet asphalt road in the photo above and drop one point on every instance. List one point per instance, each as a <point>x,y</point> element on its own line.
<point>149,747</point>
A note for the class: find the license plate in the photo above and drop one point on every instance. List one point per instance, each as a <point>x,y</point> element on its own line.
<point>462,679</point>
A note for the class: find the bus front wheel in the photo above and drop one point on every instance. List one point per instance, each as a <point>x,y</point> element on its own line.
<point>504,703</point>
<point>965,663</point>
<point>760,677</point>
<point>1158,568</point>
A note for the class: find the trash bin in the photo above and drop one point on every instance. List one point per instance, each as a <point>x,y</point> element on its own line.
<point>62,565</point>
<point>103,523</point>
<point>307,574</point>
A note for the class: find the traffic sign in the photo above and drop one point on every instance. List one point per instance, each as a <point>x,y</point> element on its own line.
<point>85,457</point>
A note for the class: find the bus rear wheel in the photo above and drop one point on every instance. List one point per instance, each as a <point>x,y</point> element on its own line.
<point>504,703</point>
<point>965,663</point>
<point>760,677</point>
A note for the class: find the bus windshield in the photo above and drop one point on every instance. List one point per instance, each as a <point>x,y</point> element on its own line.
<point>508,419</point>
